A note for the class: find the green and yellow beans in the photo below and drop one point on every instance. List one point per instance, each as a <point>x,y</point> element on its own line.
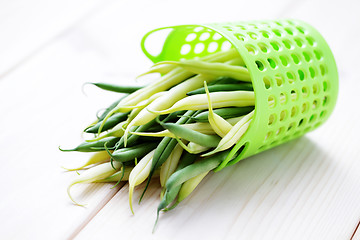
<point>178,128</point>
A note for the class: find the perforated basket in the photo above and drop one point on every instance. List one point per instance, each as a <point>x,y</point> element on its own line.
<point>289,54</point>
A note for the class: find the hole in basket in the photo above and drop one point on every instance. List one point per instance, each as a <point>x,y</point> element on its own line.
<point>294,111</point>
<point>241,27</point>
<point>301,122</point>
<point>312,118</point>
<point>272,119</point>
<point>185,49</point>
<point>213,46</point>
<point>283,98</point>
<point>217,36</point>
<point>275,46</point>
<point>325,86</point>
<point>272,102</point>
<point>198,29</point>
<point>305,91</point>
<point>289,31</point>
<point>312,72</point>
<point>306,56</point>
<point>272,63</point>
<point>316,89</point>
<point>268,135</point>
<point>190,37</point>
<point>300,29</point>
<point>284,61</point>
<point>225,46</point>
<point>322,70</point>
<point>310,40</point>
<point>325,100</point>
<point>287,44</point>
<point>305,107</point>
<point>279,131</point>
<point>260,65</point>
<point>253,35</point>
<point>315,104</point>
<point>294,95</point>
<point>204,36</point>
<point>265,34</point>
<point>318,54</point>
<point>279,80</point>
<point>291,77</point>
<point>291,126</point>
<point>154,42</point>
<point>295,58</point>
<point>200,47</point>
<point>263,47</point>
<point>299,42</point>
<point>277,32</point>
<point>251,49</point>
<point>301,75</point>
<point>252,25</point>
<point>283,115</point>
<point>323,114</point>
<point>267,82</point>
<point>240,36</point>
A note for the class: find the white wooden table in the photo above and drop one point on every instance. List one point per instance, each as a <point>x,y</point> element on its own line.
<point>306,189</point>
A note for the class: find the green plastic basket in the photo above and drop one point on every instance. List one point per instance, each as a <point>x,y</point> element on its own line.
<point>289,54</point>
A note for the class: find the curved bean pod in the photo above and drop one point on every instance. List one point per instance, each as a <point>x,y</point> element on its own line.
<point>220,100</point>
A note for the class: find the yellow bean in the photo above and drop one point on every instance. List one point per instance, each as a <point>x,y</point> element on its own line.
<point>169,166</point>
<point>139,173</point>
<point>220,99</point>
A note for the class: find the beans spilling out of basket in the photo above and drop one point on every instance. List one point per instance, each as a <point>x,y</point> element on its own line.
<point>177,129</point>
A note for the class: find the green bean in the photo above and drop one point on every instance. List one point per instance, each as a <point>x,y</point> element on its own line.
<point>94,146</point>
<point>189,186</point>
<point>110,108</point>
<point>226,113</point>
<point>192,136</point>
<point>193,170</point>
<point>130,153</point>
<point>116,88</point>
<point>117,131</point>
<point>128,142</point>
<point>169,196</point>
<point>199,127</point>
<point>170,164</point>
<point>223,88</point>
<point>111,122</point>
<point>165,148</point>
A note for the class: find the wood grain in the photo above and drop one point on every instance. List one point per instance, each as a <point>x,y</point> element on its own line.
<point>306,189</point>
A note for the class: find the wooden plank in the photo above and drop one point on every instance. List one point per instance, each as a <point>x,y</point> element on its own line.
<point>43,107</point>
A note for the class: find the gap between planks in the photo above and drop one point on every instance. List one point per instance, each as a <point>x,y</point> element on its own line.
<point>356,232</point>
<point>96,210</point>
